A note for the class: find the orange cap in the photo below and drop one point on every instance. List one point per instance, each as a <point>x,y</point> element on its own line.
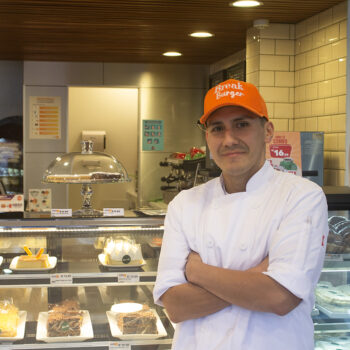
<point>234,93</point>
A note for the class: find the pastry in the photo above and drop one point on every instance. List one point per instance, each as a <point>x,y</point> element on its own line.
<point>91,177</point>
<point>335,220</point>
<point>332,295</point>
<point>140,322</point>
<point>9,319</point>
<point>332,344</point>
<point>64,319</point>
<point>122,252</point>
<point>31,261</point>
<point>105,176</point>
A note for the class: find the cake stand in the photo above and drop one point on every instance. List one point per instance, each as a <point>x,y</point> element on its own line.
<point>86,168</point>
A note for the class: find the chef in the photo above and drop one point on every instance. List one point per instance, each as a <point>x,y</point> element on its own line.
<point>242,253</point>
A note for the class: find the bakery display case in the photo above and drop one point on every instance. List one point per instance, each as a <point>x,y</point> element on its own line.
<point>81,284</point>
<point>331,314</point>
<point>86,283</point>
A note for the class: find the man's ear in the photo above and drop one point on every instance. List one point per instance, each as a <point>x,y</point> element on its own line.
<point>269,131</point>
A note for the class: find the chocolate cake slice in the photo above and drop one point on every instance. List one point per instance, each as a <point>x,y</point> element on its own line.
<point>140,322</point>
<point>64,319</point>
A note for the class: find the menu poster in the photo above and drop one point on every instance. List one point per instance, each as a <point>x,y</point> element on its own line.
<point>284,152</point>
<point>10,203</point>
<point>39,199</point>
<point>152,135</point>
<point>45,117</point>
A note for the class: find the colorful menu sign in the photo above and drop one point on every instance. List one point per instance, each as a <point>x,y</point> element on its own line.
<point>45,117</point>
<point>10,203</point>
<point>284,152</point>
<point>39,199</point>
<point>152,135</point>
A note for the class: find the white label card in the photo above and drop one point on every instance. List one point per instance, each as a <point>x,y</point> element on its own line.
<point>128,278</point>
<point>61,213</point>
<point>334,257</point>
<point>113,211</point>
<point>61,278</point>
<point>119,346</point>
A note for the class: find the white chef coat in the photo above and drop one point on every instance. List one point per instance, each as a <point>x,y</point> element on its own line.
<point>280,215</point>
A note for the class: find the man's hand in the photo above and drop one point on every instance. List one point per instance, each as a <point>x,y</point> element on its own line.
<point>194,262</point>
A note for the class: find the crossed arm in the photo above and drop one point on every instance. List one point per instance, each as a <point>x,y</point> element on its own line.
<point>211,289</point>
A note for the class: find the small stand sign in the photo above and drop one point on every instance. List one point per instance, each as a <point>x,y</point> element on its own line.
<point>284,152</point>
<point>10,203</point>
<point>113,211</point>
<point>61,278</point>
<point>119,346</point>
<point>128,278</point>
<point>59,213</point>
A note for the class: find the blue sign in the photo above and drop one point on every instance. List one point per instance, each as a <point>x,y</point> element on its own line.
<point>152,135</point>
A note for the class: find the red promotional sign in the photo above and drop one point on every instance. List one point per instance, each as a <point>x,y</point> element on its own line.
<point>280,151</point>
<point>284,152</point>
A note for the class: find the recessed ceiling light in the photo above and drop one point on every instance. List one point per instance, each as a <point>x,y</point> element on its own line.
<point>172,54</point>
<point>246,3</point>
<point>201,35</point>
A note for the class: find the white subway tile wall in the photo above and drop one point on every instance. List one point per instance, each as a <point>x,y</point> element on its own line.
<point>300,71</point>
<point>326,56</point>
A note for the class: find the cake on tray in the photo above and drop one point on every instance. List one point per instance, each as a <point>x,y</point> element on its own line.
<point>331,295</point>
<point>94,176</point>
<point>9,319</point>
<point>140,322</point>
<point>122,252</point>
<point>64,319</point>
<point>31,261</point>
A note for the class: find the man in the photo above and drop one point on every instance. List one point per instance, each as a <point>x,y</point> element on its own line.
<point>242,254</point>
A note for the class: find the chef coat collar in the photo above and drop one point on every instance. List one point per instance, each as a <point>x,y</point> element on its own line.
<point>260,178</point>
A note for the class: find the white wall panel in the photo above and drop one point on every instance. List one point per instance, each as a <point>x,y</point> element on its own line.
<point>63,73</point>
<point>156,75</point>
<point>180,109</point>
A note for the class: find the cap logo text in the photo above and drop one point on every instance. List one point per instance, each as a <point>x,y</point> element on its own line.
<point>224,90</point>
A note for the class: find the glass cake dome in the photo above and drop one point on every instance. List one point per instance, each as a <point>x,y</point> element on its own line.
<point>85,168</point>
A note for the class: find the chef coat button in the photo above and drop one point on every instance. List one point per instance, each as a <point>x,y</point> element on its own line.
<point>243,246</point>
<point>210,243</point>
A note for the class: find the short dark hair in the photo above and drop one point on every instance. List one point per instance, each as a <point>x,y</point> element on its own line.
<point>263,120</point>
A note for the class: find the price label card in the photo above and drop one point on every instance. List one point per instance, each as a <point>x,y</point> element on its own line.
<point>59,213</point>
<point>128,278</point>
<point>113,211</point>
<point>119,346</point>
<point>61,278</point>
<point>334,257</point>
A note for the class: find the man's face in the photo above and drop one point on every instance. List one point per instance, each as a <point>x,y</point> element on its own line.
<point>236,139</point>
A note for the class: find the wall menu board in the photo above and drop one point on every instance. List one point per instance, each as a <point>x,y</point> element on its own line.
<point>45,117</point>
<point>152,135</point>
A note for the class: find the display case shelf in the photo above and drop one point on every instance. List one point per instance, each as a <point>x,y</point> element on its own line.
<point>77,244</point>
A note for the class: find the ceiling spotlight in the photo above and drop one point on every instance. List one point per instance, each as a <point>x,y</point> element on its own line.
<point>246,3</point>
<point>201,35</point>
<point>172,54</point>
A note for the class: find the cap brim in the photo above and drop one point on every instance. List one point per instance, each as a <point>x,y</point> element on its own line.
<point>205,116</point>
